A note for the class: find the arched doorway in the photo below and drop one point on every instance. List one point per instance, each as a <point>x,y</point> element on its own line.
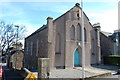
<point>77,58</point>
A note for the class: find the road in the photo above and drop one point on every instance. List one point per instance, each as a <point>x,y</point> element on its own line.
<point>114,76</point>
<point>11,74</point>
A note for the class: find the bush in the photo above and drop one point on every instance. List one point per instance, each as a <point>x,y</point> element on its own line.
<point>112,60</point>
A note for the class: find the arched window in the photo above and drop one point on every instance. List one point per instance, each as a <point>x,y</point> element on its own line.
<point>85,35</point>
<point>37,46</point>
<point>58,43</point>
<point>72,33</point>
<point>79,32</point>
<point>31,47</point>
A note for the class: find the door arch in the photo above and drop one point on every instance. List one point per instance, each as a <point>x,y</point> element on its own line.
<point>77,58</point>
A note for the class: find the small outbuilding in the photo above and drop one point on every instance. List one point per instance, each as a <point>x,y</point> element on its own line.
<point>15,57</point>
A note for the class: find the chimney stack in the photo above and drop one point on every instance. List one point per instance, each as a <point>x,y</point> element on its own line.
<point>50,28</point>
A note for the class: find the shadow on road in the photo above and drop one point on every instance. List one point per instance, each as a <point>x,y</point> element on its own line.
<point>107,67</point>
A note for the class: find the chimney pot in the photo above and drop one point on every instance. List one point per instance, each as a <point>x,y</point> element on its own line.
<point>49,18</point>
<point>77,4</point>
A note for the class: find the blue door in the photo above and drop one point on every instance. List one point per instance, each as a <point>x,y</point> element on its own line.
<point>77,58</point>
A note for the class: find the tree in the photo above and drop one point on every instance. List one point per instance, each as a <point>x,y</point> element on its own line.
<point>8,34</point>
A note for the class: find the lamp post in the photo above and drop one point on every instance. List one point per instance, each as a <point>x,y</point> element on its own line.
<point>16,46</point>
<point>83,51</point>
<point>117,44</point>
<point>8,41</point>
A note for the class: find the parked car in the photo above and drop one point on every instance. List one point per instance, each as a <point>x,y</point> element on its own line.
<point>1,72</point>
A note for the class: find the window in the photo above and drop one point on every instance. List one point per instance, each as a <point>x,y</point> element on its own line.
<point>85,35</point>
<point>58,43</point>
<point>37,47</point>
<point>79,33</point>
<point>27,47</point>
<point>31,45</point>
<point>72,33</point>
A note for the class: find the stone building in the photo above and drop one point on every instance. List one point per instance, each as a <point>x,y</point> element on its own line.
<point>107,45</point>
<point>15,57</point>
<point>60,40</point>
<point>115,37</point>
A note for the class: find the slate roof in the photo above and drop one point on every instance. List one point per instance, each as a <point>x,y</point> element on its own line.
<point>106,33</point>
<point>41,28</point>
<point>116,33</point>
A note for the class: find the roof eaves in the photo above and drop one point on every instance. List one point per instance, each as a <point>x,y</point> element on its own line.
<point>69,11</point>
<point>38,30</point>
<point>106,36</point>
<point>62,14</point>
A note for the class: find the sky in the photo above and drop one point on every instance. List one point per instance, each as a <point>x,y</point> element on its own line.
<point>34,14</point>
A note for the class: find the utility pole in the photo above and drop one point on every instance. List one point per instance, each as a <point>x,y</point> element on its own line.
<point>83,50</point>
<point>16,46</point>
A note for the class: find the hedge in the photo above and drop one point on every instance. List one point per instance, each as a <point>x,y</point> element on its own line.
<point>112,60</point>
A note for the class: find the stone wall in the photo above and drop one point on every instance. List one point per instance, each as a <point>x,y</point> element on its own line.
<point>64,24</point>
<point>43,68</point>
<point>107,46</point>
<point>60,32</point>
<point>16,60</point>
<point>39,48</point>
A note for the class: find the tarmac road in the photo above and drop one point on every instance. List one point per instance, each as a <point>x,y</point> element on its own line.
<point>11,74</point>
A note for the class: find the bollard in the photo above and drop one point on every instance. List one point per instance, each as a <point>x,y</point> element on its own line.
<point>43,68</point>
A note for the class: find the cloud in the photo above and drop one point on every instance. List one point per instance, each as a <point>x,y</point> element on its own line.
<point>12,11</point>
<point>58,0</point>
<point>108,19</point>
<point>50,6</point>
<point>1,10</point>
<point>30,28</point>
<point>119,15</point>
<point>8,9</point>
<point>18,13</point>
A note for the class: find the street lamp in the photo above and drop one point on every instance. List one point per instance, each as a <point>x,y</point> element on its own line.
<point>8,41</point>
<point>83,50</point>
<point>78,44</point>
<point>16,45</point>
<point>117,43</point>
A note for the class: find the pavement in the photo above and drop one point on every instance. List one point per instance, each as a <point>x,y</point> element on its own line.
<point>90,72</point>
<point>95,71</point>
